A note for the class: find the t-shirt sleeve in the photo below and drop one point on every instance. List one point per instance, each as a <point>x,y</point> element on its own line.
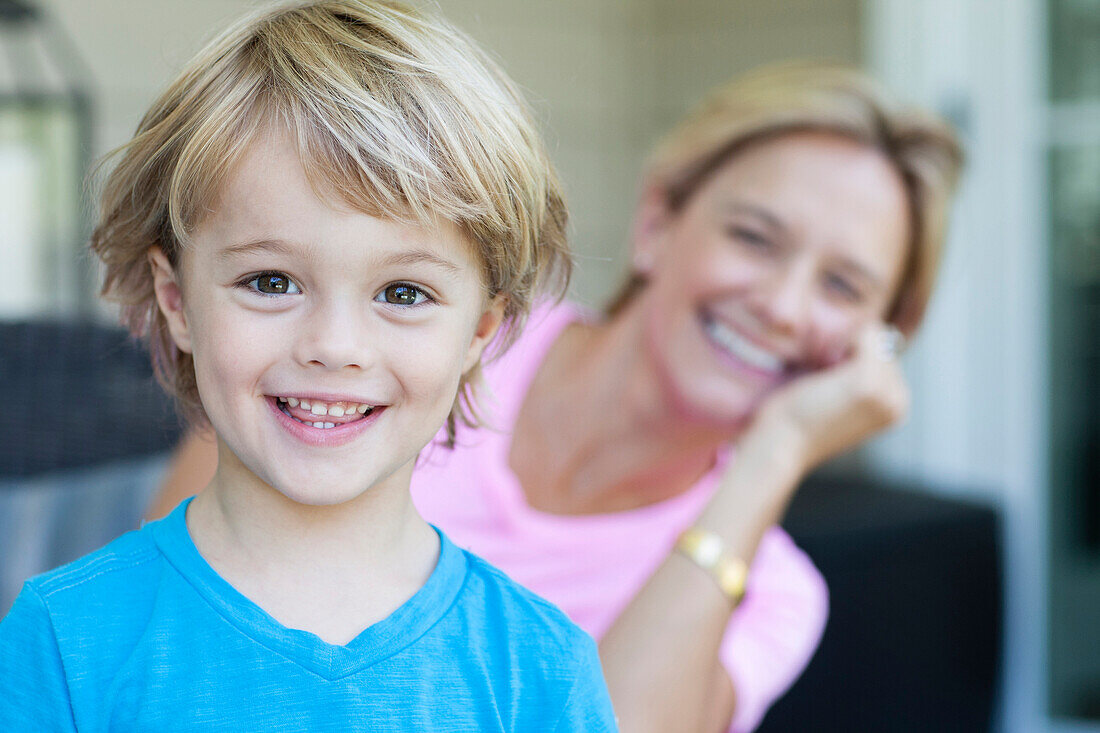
<point>774,632</point>
<point>32,680</point>
<point>588,706</point>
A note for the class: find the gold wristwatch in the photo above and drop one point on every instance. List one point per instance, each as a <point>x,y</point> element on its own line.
<point>707,550</point>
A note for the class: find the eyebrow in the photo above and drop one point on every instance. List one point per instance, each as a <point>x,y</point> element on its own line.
<point>399,259</point>
<point>418,256</point>
<point>740,207</point>
<point>861,272</point>
<point>271,246</point>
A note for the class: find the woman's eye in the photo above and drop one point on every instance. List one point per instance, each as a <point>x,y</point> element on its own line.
<point>402,294</point>
<point>751,238</point>
<point>274,283</point>
<point>843,288</point>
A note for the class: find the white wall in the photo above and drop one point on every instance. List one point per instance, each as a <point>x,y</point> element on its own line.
<point>979,369</point>
<point>606,78</point>
<point>132,48</point>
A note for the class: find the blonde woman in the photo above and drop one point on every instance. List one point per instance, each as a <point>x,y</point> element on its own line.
<point>788,232</point>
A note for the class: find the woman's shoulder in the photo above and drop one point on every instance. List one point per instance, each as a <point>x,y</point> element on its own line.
<point>536,334</point>
<point>508,372</point>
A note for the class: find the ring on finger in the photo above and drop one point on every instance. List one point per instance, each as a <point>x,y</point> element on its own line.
<point>891,343</point>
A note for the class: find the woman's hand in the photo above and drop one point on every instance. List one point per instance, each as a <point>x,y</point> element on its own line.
<point>822,414</point>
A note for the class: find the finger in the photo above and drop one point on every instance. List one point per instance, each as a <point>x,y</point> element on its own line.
<point>881,380</point>
<point>880,341</point>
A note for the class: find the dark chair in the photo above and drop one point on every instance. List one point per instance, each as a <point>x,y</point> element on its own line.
<point>75,395</point>
<point>914,634</point>
<point>84,439</point>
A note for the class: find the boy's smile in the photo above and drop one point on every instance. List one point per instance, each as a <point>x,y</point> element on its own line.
<point>328,344</point>
<point>324,423</point>
<point>318,412</point>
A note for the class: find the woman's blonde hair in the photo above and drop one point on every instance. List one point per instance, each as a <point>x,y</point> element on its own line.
<point>396,111</point>
<point>799,97</point>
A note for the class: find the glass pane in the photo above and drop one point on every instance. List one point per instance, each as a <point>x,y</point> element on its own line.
<point>40,228</point>
<point>1074,49</point>
<point>1075,432</point>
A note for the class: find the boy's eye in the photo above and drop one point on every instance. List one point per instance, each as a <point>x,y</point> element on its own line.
<point>274,283</point>
<point>403,294</point>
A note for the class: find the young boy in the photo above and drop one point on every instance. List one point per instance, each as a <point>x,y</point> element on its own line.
<point>319,227</point>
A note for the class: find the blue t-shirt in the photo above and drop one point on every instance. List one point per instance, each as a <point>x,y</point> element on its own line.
<point>144,635</point>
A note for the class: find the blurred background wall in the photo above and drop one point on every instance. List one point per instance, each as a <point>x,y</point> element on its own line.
<point>606,78</point>
<point>1003,374</point>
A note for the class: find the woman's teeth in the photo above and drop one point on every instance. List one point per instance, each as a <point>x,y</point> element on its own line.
<point>743,349</point>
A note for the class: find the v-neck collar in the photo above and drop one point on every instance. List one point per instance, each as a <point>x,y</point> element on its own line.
<point>377,642</point>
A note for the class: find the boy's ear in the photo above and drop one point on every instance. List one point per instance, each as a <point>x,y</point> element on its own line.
<point>486,329</point>
<point>169,298</point>
<point>650,221</point>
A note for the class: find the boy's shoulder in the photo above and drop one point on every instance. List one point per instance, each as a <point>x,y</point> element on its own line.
<point>114,564</point>
<point>505,605</point>
<point>108,588</point>
<point>546,667</point>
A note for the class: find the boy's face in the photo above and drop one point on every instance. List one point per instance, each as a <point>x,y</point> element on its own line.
<point>328,344</point>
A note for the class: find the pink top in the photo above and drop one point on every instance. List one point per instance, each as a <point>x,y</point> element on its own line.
<point>592,565</point>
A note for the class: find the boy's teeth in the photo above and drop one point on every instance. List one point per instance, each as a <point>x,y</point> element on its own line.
<point>340,409</point>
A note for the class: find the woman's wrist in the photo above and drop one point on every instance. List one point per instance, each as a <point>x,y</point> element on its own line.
<point>778,444</point>
<point>753,494</point>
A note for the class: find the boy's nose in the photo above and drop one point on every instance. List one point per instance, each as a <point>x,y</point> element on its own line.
<point>332,337</point>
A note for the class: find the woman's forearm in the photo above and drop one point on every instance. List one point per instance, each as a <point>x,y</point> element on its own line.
<point>660,656</point>
<point>192,466</point>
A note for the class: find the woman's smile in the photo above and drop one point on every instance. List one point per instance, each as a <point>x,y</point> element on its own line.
<point>740,351</point>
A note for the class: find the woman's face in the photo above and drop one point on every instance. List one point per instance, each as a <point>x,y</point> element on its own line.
<point>768,270</point>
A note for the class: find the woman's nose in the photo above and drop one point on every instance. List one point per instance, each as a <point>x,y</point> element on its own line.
<point>332,336</point>
<point>783,301</point>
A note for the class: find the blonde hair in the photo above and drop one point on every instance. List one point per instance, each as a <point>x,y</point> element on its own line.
<point>396,111</point>
<point>798,97</point>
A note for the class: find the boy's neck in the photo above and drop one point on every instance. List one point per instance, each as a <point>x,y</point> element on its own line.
<point>331,570</point>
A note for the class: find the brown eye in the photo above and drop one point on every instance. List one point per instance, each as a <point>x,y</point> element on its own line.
<point>750,238</point>
<point>403,294</point>
<point>844,289</point>
<point>274,283</point>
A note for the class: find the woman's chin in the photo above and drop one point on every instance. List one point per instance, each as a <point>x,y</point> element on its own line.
<point>725,410</point>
